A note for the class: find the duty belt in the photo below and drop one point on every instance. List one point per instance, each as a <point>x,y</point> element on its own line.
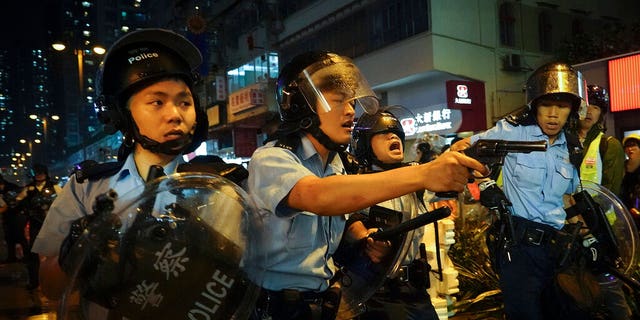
<point>292,295</point>
<point>287,303</point>
<point>532,233</point>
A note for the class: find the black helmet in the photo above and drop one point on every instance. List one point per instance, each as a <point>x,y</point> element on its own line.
<point>301,81</point>
<point>598,96</point>
<point>137,60</point>
<point>557,80</point>
<point>40,169</point>
<point>369,125</point>
<point>300,86</point>
<point>292,104</point>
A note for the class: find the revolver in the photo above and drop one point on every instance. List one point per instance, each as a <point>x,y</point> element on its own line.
<point>491,153</point>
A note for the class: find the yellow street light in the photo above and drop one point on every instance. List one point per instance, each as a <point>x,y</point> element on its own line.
<point>45,123</point>
<point>80,56</point>
<point>29,143</point>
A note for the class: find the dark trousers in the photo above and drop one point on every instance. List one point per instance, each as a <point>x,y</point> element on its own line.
<point>14,224</point>
<point>399,300</point>
<point>291,304</point>
<point>32,259</point>
<point>528,270</point>
<point>523,280</point>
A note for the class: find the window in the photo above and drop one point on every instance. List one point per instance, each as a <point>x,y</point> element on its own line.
<point>577,27</point>
<point>545,32</point>
<point>507,25</point>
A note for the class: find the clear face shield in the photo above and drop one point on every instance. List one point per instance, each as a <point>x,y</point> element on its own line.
<point>332,83</point>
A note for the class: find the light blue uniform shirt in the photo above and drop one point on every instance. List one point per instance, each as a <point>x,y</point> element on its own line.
<point>297,245</point>
<point>77,199</point>
<point>535,182</point>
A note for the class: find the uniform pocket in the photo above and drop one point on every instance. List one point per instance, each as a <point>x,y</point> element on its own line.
<point>561,180</point>
<point>529,171</point>
<point>303,231</point>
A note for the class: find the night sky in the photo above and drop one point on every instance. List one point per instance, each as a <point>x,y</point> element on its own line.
<point>24,23</point>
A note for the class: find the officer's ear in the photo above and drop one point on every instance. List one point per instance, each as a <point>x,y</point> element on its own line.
<point>109,114</point>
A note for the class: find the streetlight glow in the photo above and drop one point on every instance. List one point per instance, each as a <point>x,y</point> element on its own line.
<point>58,46</point>
<point>99,50</point>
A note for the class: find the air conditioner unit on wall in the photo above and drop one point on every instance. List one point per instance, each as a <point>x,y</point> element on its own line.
<point>512,62</point>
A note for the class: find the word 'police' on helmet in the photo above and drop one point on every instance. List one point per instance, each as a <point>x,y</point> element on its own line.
<point>557,81</point>
<point>302,82</point>
<point>136,60</point>
<point>598,96</point>
<point>369,125</point>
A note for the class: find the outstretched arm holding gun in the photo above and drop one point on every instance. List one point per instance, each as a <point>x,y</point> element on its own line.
<point>492,152</point>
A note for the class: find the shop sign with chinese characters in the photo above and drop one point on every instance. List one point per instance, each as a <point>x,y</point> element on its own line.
<point>246,98</point>
<point>436,119</point>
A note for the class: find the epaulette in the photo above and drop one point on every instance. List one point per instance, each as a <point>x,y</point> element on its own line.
<point>349,161</point>
<point>289,142</point>
<point>232,171</point>
<point>520,116</point>
<point>93,170</point>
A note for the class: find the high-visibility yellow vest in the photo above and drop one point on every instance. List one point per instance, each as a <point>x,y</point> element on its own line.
<point>591,167</point>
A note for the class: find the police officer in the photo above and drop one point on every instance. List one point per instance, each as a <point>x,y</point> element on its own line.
<point>146,91</point>
<point>378,144</point>
<point>536,184</point>
<point>13,221</point>
<point>603,164</point>
<point>36,198</point>
<point>299,182</point>
<point>603,161</point>
<point>631,180</point>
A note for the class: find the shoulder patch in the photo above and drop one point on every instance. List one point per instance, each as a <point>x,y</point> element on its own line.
<point>93,170</point>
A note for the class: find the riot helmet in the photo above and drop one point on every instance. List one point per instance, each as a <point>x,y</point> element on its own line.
<point>366,127</point>
<point>598,96</point>
<point>300,88</point>
<point>40,169</point>
<point>557,81</point>
<point>135,61</point>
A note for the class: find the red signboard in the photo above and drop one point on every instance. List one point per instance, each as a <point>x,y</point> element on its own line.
<point>624,83</point>
<point>469,97</point>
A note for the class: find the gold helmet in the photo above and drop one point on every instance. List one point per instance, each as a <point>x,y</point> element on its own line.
<point>560,81</point>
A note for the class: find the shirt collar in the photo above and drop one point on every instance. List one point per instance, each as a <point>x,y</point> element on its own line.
<point>129,167</point>
<point>308,150</point>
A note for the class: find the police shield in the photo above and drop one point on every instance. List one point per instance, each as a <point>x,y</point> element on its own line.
<point>358,276</point>
<point>613,225</point>
<point>175,249</point>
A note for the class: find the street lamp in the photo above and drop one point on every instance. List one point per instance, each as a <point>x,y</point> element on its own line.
<point>30,145</point>
<point>80,55</point>
<point>44,122</point>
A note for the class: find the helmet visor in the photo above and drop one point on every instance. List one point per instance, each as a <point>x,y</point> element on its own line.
<point>339,76</point>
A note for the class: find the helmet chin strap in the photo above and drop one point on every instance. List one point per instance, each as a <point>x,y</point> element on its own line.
<point>172,147</point>
<point>386,166</point>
